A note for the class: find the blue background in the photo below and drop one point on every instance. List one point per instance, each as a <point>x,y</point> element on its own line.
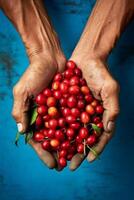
<point>22,174</point>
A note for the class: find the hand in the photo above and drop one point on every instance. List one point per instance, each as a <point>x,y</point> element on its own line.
<point>37,77</point>
<point>103,87</point>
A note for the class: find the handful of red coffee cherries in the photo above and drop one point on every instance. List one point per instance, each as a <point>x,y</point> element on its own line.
<point>66,118</point>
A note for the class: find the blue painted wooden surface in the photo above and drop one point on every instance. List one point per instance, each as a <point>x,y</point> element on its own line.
<point>22,175</point>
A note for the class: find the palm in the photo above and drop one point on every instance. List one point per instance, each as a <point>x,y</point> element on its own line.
<point>105,88</point>
<point>34,80</point>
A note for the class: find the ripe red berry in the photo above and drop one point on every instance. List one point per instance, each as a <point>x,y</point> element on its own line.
<point>83,82</point>
<point>75,112</point>
<point>80,96</point>
<point>52,111</point>
<point>54,143</point>
<point>51,133</point>
<point>62,162</point>
<point>70,64</point>
<point>46,145</point>
<point>47,92</point>
<point>51,101</point>
<point>40,99</point>
<point>58,77</point>
<point>70,119</point>
<point>57,94</point>
<point>42,110</point>
<point>59,135</point>
<point>81,104</point>
<point>46,125</point>
<point>83,133</point>
<point>69,156</point>
<point>71,101</point>
<point>80,148</point>
<point>75,90</point>
<point>90,109</point>
<point>66,112</point>
<point>55,85</point>
<point>65,145</point>
<point>94,103</point>
<point>68,73</point>
<point>85,118</point>
<point>70,138</point>
<point>96,120</point>
<point>72,149</point>
<point>85,90</point>
<point>46,118</point>
<point>39,121</point>
<point>75,125</point>
<point>52,123</point>
<point>63,102</point>
<point>91,140</point>
<point>45,132</point>
<point>74,80</point>
<point>70,132</point>
<point>66,81</point>
<point>99,109</point>
<point>62,153</point>
<point>61,122</point>
<point>63,88</point>
<point>100,125</point>
<point>78,72</point>
<point>89,98</point>
<point>78,139</point>
<point>38,137</point>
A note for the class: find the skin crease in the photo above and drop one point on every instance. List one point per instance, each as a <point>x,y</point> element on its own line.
<point>103,28</point>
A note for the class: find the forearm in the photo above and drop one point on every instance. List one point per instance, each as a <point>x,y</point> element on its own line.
<point>107,21</point>
<point>31,21</point>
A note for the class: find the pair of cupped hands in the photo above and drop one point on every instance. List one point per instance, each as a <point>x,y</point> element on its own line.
<point>43,66</point>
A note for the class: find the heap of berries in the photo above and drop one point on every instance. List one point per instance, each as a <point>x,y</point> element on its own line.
<point>69,118</point>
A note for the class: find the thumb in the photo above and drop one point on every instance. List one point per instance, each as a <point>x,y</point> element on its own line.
<point>20,109</point>
<point>111,106</point>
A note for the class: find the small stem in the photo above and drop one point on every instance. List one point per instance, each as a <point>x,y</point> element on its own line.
<point>93,151</point>
<point>72,141</point>
<point>84,147</point>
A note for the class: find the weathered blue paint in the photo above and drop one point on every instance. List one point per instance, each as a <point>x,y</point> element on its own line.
<point>22,175</point>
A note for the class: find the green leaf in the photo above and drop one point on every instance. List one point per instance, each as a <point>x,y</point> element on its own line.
<point>18,134</point>
<point>33,116</point>
<point>28,136</point>
<point>96,128</point>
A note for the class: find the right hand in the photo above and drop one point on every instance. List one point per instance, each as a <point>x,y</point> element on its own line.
<point>104,88</point>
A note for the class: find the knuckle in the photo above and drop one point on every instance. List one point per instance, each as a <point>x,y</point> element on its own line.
<point>115,86</point>
<point>15,114</point>
<point>16,89</point>
<point>115,111</point>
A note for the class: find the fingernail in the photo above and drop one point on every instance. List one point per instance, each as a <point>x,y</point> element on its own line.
<point>19,126</point>
<point>91,157</point>
<point>110,126</point>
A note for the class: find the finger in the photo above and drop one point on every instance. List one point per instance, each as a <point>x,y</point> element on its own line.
<point>111,106</point>
<point>99,147</point>
<point>20,110</point>
<point>45,156</point>
<point>97,96</point>
<point>76,161</point>
<point>57,166</point>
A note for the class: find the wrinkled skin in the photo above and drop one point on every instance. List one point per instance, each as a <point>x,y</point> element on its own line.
<point>103,87</point>
<point>37,76</point>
